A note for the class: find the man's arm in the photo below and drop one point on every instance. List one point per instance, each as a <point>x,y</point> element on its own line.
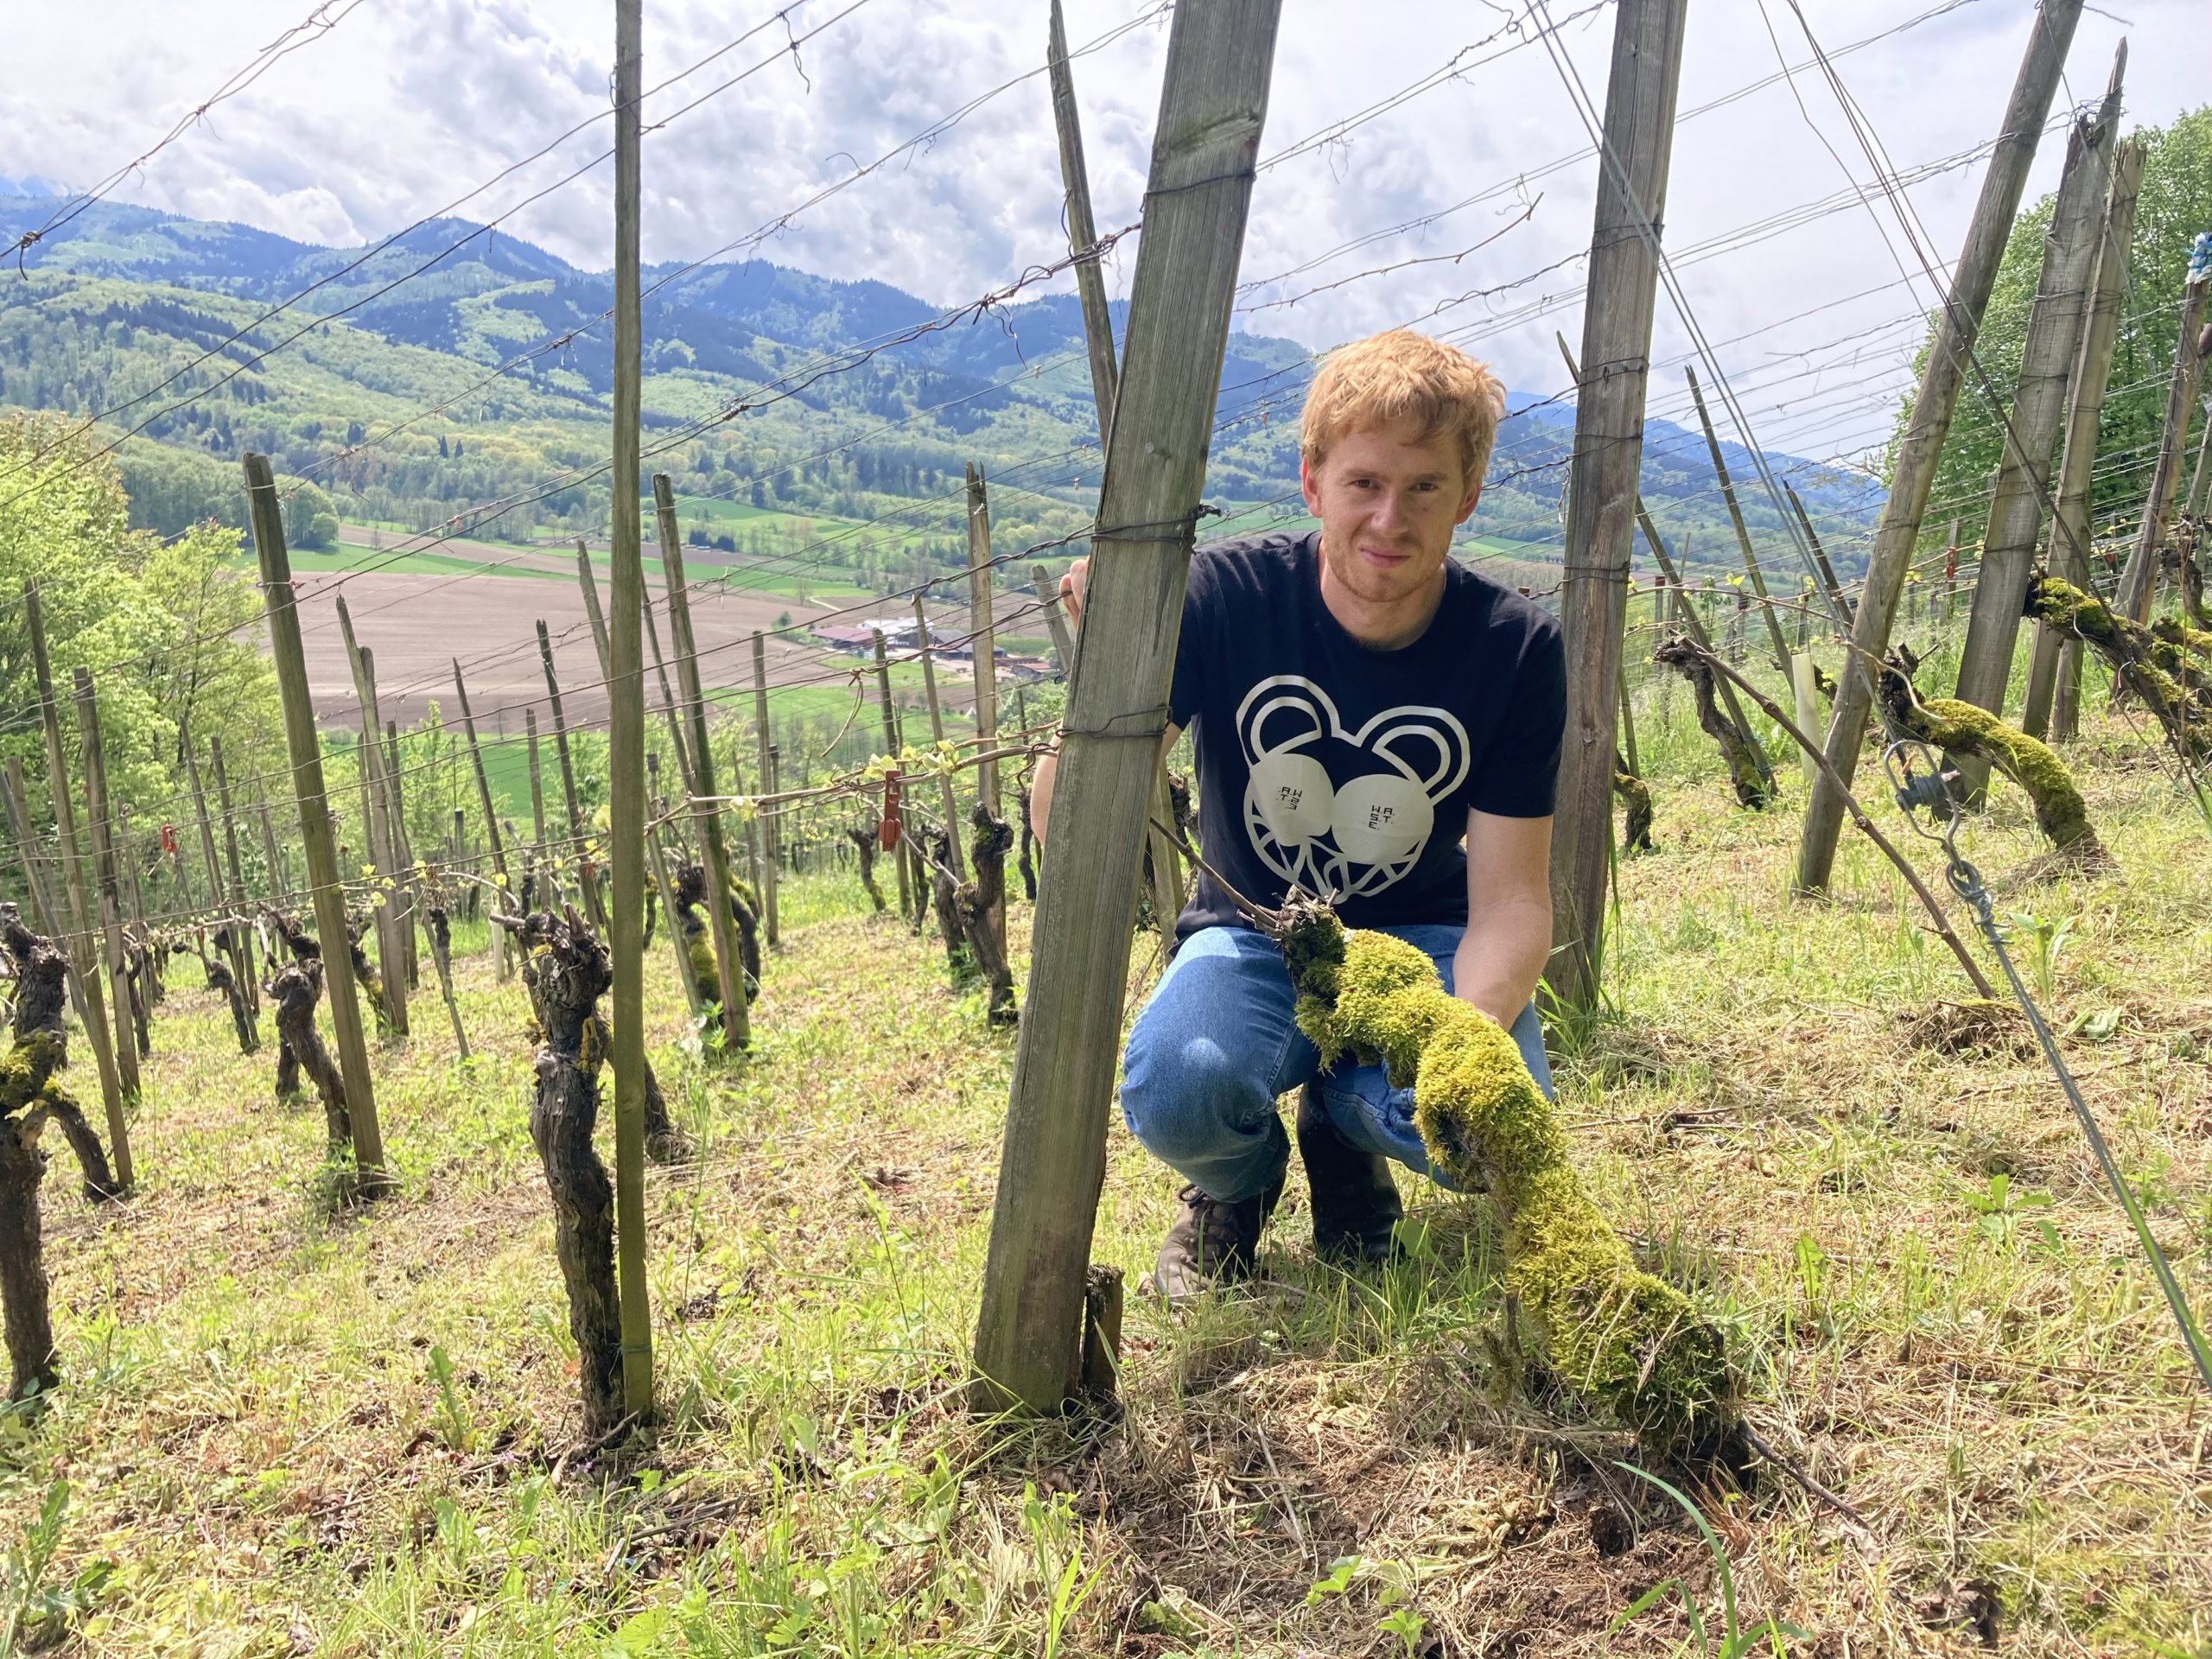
<point>1509,936</point>
<point>1040,782</point>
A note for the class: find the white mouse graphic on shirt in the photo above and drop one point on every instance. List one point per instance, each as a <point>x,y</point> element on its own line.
<point>1353,840</point>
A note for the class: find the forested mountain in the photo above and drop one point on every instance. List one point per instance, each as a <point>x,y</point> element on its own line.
<point>458,377</point>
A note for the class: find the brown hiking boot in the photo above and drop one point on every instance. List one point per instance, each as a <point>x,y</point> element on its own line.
<point>1356,1207</point>
<point>1212,1241</point>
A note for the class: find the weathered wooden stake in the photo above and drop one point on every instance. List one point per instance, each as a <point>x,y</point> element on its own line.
<point>228,936</point>
<point>1083,229</point>
<point>537,814</point>
<point>1212,107</point>
<point>771,844</point>
<point>77,880</point>
<point>625,745</point>
<point>1736,517</point>
<point>959,860</point>
<point>579,839</point>
<point>379,828</point>
<point>305,748</point>
<point>250,983</point>
<point>99,822</point>
<point>592,613</point>
<point>894,805</point>
<point>2055,666</point>
<point>1048,596</point>
<point>729,968</point>
<point>502,965</point>
<point>983,640</point>
<point>667,698</point>
<point>2140,579</point>
<point>1839,605</point>
<point>45,910</point>
<point>2050,34</point>
<point>1602,496</point>
<point>2047,356</point>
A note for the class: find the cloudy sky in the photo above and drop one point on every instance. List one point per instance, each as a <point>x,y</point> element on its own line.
<point>1423,162</point>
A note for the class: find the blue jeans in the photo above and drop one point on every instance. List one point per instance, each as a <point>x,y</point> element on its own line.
<point>1216,1046</point>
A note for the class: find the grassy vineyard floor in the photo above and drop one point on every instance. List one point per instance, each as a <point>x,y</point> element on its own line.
<point>297,1435</point>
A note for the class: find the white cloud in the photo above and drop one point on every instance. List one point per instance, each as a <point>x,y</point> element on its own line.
<point>409,102</point>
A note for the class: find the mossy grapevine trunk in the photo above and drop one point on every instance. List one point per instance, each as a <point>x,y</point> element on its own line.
<point>2133,652</point>
<point>1614,1334</point>
<point>1752,787</point>
<point>1958,727</point>
<point>1636,796</point>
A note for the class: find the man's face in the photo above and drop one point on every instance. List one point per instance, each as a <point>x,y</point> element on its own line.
<point>1387,503</point>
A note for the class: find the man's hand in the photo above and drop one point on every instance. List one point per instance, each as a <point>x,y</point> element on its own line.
<point>1509,937</point>
<point>1071,591</point>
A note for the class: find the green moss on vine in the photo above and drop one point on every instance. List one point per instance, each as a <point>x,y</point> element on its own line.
<point>1963,728</point>
<point>1617,1335</point>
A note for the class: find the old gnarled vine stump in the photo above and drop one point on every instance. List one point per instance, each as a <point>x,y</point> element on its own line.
<point>975,902</point>
<point>295,989</point>
<point>567,971</point>
<point>29,1095</point>
<point>1752,788</point>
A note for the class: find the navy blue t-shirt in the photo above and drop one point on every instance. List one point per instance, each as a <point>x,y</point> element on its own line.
<point>1347,770</point>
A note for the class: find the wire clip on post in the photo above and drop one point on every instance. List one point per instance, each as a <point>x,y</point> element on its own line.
<point>1931,789</point>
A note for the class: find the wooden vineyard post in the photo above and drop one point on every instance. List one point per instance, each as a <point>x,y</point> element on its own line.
<point>537,811</point>
<point>2053,341</point>
<point>408,887</point>
<point>937,735</point>
<point>729,966</point>
<point>2050,34</point>
<point>251,984</point>
<point>596,617</point>
<point>233,951</point>
<point>667,696</point>
<point>1736,517</point>
<point>98,822</point>
<point>983,651</point>
<point>1083,229</point>
<point>2140,579</point>
<point>2054,663</point>
<point>893,804</point>
<point>502,967</point>
<point>392,950</point>
<point>304,747</point>
<point>1602,482</point>
<point>1048,596</point>
<point>1838,606</point>
<point>578,838</point>
<point>983,639</point>
<point>1212,106</point>
<point>625,742</point>
<point>771,850</point>
<point>75,881</point>
<point>279,877</point>
<point>44,909</point>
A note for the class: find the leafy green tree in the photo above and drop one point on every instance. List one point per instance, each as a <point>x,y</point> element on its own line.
<point>168,629</point>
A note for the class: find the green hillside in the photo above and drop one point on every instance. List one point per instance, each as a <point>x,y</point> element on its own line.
<point>819,428</point>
